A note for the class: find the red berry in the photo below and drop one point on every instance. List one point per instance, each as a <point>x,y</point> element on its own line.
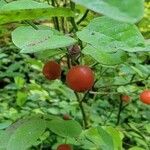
<point>64,147</point>
<point>145,97</point>
<point>52,70</point>
<point>66,117</point>
<point>80,78</point>
<point>125,98</point>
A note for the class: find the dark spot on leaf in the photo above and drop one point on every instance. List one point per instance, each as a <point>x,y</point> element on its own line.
<point>92,33</point>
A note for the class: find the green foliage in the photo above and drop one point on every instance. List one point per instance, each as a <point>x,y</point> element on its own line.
<point>100,34</point>
<point>109,35</point>
<point>21,98</point>
<point>2,2</point>
<point>28,4</point>
<point>124,10</point>
<point>101,139</point>
<point>4,137</point>
<point>30,40</point>
<point>105,58</point>
<point>46,54</point>
<point>27,134</point>
<point>144,23</point>
<point>19,81</point>
<point>116,137</point>
<point>65,128</point>
<point>5,124</point>
<point>28,10</point>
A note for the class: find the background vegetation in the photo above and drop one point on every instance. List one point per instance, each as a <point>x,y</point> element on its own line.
<point>26,95</point>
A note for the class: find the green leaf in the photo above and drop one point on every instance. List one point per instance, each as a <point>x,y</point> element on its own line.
<point>139,72</point>
<point>109,59</point>
<point>127,89</point>
<point>5,124</point>
<point>2,2</point>
<point>30,40</point>
<point>47,54</point>
<point>140,49</point>
<point>23,4</point>
<point>28,10</point>
<point>116,137</point>
<point>124,10</point>
<point>110,35</point>
<point>106,138</point>
<point>21,98</point>
<point>65,128</point>
<point>63,89</point>
<point>4,137</point>
<point>12,128</point>
<point>19,81</point>
<point>147,126</point>
<point>100,138</point>
<point>26,134</point>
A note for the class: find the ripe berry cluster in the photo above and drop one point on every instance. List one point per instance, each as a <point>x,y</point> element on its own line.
<point>79,78</point>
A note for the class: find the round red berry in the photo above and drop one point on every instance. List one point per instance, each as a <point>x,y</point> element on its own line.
<point>52,70</point>
<point>145,97</point>
<point>80,78</point>
<point>125,98</point>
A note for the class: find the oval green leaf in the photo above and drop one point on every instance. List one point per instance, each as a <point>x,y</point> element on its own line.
<point>110,35</point>
<point>65,128</point>
<point>28,10</point>
<point>129,11</point>
<point>100,138</point>
<point>109,59</point>
<point>30,40</point>
<point>26,134</point>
